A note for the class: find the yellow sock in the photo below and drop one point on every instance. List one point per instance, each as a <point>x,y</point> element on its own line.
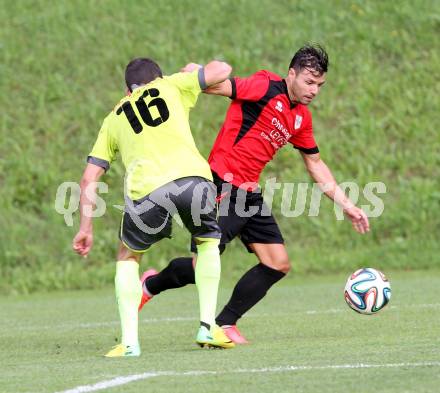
<point>207,274</point>
<point>128,295</point>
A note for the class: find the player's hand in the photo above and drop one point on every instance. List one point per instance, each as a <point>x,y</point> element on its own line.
<point>190,67</point>
<point>82,243</point>
<point>358,218</point>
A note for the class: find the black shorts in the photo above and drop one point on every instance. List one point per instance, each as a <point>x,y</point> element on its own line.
<point>148,220</point>
<point>243,214</point>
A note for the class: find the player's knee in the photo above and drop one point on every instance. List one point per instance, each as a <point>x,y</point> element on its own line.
<point>124,254</point>
<point>282,265</point>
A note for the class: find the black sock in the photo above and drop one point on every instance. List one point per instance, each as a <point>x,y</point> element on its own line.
<point>250,289</point>
<point>178,273</point>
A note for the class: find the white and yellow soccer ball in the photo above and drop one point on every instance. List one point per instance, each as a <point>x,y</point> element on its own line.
<point>367,291</point>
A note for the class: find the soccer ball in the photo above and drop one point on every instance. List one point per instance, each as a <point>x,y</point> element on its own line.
<point>367,291</point>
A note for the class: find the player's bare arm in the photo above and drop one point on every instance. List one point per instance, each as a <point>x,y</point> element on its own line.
<point>220,89</point>
<point>83,241</point>
<point>322,175</point>
<point>215,69</point>
<point>215,72</point>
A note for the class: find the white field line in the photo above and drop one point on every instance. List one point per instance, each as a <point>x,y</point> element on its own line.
<point>123,380</point>
<point>89,325</point>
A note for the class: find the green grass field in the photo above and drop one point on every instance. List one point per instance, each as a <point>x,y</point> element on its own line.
<point>375,120</point>
<point>304,339</point>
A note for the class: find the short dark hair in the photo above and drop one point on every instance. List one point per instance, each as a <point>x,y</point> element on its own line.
<point>310,56</point>
<point>141,71</point>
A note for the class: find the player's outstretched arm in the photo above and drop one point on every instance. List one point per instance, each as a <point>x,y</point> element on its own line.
<point>220,89</point>
<point>322,175</point>
<point>216,74</point>
<point>83,240</point>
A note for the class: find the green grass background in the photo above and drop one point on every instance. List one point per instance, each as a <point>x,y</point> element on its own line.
<point>53,343</point>
<point>376,119</point>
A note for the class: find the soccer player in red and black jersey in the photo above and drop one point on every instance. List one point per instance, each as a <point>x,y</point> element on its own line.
<point>266,113</point>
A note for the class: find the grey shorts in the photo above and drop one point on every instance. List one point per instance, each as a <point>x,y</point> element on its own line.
<point>148,220</point>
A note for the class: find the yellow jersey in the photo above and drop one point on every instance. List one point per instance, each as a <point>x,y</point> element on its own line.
<point>150,129</point>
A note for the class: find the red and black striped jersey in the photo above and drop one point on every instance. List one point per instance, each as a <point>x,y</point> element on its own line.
<point>260,120</point>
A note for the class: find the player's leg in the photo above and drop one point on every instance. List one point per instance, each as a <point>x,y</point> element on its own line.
<point>180,271</point>
<point>197,209</point>
<point>143,224</point>
<point>128,295</point>
<point>254,284</point>
<point>262,236</point>
<point>207,277</point>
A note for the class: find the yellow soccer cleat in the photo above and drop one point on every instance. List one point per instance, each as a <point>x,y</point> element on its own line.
<point>214,338</point>
<point>121,350</point>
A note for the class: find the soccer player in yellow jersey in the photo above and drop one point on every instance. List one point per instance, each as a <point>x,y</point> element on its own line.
<point>165,175</point>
